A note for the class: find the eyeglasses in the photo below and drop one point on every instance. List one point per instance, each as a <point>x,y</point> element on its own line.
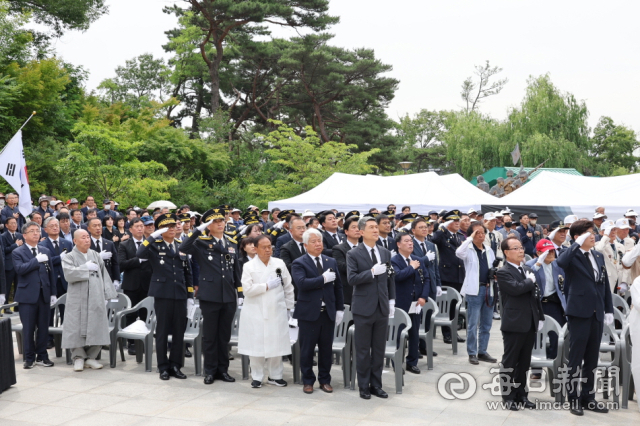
<point>516,248</point>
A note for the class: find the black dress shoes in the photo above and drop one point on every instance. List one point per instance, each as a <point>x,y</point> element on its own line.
<point>435,353</point>
<point>422,351</point>
<point>28,365</point>
<point>378,392</point>
<point>187,353</point>
<point>413,369</point>
<point>595,406</point>
<point>225,377</point>
<point>131,350</point>
<point>461,340</point>
<point>473,360</point>
<point>486,358</point>
<point>175,372</point>
<point>164,375</point>
<point>527,404</point>
<point>447,340</point>
<point>365,394</point>
<point>208,379</point>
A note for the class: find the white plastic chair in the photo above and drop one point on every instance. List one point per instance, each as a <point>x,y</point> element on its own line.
<point>146,338</point>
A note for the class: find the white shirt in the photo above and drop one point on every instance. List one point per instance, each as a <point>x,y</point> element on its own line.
<point>383,239</point>
<point>314,259</point>
<point>375,250</point>
<point>95,242</point>
<point>31,248</point>
<point>352,245</point>
<point>550,286</point>
<point>516,266</point>
<point>422,244</point>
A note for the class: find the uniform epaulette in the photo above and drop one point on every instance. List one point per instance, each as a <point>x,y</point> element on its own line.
<point>178,240</point>
<point>204,237</point>
<point>231,239</point>
<point>159,241</point>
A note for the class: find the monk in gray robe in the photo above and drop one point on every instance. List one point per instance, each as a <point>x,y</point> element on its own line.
<point>85,328</point>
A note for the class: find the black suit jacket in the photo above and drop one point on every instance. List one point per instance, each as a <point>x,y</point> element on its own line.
<point>9,246</point>
<point>328,242</point>
<point>312,289</point>
<point>280,241</point>
<point>583,293</point>
<point>521,310</point>
<point>369,291</point>
<point>110,264</point>
<point>451,266</point>
<point>65,246</point>
<point>137,275</point>
<point>340,255</point>
<point>290,252</point>
<point>391,243</point>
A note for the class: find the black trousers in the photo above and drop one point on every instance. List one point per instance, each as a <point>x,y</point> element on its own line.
<point>516,361</point>
<point>555,311</point>
<point>312,333</point>
<point>585,335</point>
<point>414,339</point>
<point>217,319</point>
<point>446,331</point>
<point>12,286</point>
<point>370,341</point>
<point>171,317</point>
<point>136,296</point>
<point>35,322</point>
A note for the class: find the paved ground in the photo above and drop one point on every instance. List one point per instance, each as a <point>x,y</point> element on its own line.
<point>127,395</point>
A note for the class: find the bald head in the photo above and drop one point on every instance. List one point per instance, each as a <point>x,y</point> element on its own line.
<point>82,240</point>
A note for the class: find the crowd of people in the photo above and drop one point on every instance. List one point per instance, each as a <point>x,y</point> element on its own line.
<point>290,269</point>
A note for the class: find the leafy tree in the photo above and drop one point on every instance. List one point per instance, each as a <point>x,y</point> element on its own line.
<point>61,15</point>
<point>612,148</point>
<point>421,136</point>
<point>473,93</point>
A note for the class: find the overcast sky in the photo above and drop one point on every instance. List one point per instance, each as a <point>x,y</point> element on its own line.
<point>588,47</point>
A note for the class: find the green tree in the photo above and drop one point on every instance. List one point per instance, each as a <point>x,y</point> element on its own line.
<point>473,93</point>
<point>61,15</point>
<point>612,148</point>
<point>422,139</point>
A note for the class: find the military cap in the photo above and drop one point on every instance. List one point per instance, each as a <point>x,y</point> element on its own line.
<point>251,220</point>
<point>284,213</point>
<point>184,217</point>
<point>165,220</point>
<point>452,215</point>
<point>389,213</point>
<point>225,207</point>
<point>374,214</point>
<point>248,214</point>
<point>340,215</point>
<point>212,214</point>
<point>409,217</point>
<point>147,220</point>
<point>351,213</point>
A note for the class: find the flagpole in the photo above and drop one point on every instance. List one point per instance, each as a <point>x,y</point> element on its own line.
<point>25,123</point>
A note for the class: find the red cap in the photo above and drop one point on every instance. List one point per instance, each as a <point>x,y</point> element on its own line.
<point>544,245</point>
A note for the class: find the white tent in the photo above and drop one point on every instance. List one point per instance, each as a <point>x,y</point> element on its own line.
<point>421,191</point>
<point>562,194</point>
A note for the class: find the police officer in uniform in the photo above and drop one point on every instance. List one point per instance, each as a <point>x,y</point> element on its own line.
<point>172,287</point>
<point>217,255</point>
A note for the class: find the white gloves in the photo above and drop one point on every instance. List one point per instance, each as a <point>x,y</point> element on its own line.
<point>204,226</point>
<point>530,276</point>
<point>2,299</point>
<point>392,308</point>
<point>623,288</point>
<point>438,291</point>
<point>62,255</point>
<point>159,232</point>
<point>553,234</point>
<point>540,260</point>
<point>190,303</point>
<point>608,319</point>
<point>240,301</point>
<point>273,283</point>
<point>540,325</point>
<point>379,269</point>
<point>339,316</point>
<point>142,260</point>
<point>607,231</point>
<point>393,253</point>
<point>279,225</point>
<point>116,284</point>
<point>53,300</point>
<point>329,276</point>
<point>631,256</point>
<point>41,257</point>
<point>105,255</point>
<point>92,266</point>
<point>431,255</point>
<point>447,223</point>
<point>582,238</point>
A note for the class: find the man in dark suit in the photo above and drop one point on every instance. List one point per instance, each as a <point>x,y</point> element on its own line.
<point>589,305</point>
<point>11,209</point>
<point>59,247</point>
<point>319,308</point>
<point>90,203</point>
<point>11,240</point>
<point>295,247</point>
<point>219,290</point>
<point>331,235</point>
<point>373,302</point>
<point>412,285</point>
<point>106,249</point>
<point>106,210</point>
<point>522,317</point>
<point>35,293</point>
<point>447,239</point>
<point>386,238</point>
<point>136,272</point>
<point>76,220</point>
<point>340,251</point>
<point>527,236</point>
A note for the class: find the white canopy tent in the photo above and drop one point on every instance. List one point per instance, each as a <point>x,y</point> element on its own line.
<point>561,195</point>
<point>421,191</point>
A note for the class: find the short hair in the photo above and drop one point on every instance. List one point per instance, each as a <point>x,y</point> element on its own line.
<point>312,221</point>
<point>28,225</point>
<point>381,217</point>
<point>406,207</point>
<point>89,211</point>
<point>308,233</point>
<point>294,219</point>
<point>259,238</point>
<point>362,223</point>
<point>92,219</point>
<point>348,222</point>
<point>275,209</point>
<point>134,221</point>
<point>74,212</point>
<point>10,218</point>
<point>63,216</point>
<point>504,245</point>
<point>33,213</point>
<point>106,218</point>
<point>372,209</point>
<point>474,225</point>
<point>416,222</point>
<point>290,217</point>
<point>523,215</point>
<point>579,227</point>
<point>323,217</point>
<point>399,236</point>
<point>389,206</point>
<point>87,199</point>
<point>47,220</point>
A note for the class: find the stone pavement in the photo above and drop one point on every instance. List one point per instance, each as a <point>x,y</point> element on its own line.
<point>127,395</point>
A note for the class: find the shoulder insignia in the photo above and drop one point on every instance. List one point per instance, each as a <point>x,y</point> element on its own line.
<point>205,237</point>
<point>178,241</point>
<point>159,241</point>
<point>145,243</point>
<point>190,234</point>
<point>239,288</point>
<point>231,239</point>
<point>190,289</point>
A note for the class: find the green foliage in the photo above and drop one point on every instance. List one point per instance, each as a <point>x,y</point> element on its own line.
<point>612,148</point>
<point>421,137</point>
<point>61,15</point>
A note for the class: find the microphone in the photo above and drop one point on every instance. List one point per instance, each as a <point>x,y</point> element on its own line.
<point>279,275</point>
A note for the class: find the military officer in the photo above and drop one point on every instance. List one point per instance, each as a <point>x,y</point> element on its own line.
<point>172,287</point>
<point>217,255</point>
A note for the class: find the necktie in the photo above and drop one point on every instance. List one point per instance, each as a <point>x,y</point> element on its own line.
<point>373,257</point>
<point>494,246</point>
<point>171,249</point>
<point>384,242</point>
<point>98,246</point>
<point>302,250</point>
<point>138,244</point>
<point>319,266</point>
<point>14,237</point>
<point>56,247</point>
<point>335,238</point>
<point>522,271</point>
<point>408,261</point>
<point>35,253</point>
<point>424,249</point>
<point>595,271</point>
